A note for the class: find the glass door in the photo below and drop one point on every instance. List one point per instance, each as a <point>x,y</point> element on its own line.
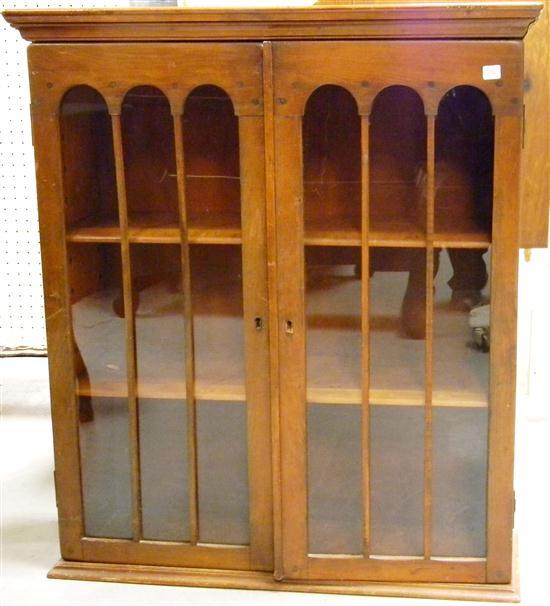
<point>385,237</point>
<point>165,248</point>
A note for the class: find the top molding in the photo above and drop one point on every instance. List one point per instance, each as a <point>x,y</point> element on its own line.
<point>502,19</point>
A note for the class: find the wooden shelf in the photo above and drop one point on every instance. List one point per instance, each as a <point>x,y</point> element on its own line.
<point>154,228</point>
<point>392,234</point>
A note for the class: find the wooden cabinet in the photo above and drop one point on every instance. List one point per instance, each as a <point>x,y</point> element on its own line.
<point>269,267</point>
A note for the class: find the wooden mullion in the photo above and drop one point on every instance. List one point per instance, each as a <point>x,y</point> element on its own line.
<point>129,320</point>
<point>189,333</point>
<point>365,330</point>
<point>428,441</point>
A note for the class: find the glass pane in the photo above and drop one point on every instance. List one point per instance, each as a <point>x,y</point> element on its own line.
<point>164,469</point>
<point>105,462</point>
<point>397,159</point>
<point>88,163</point>
<point>212,175</point>
<point>97,306</point>
<point>223,472</point>
<point>397,476</point>
<point>464,147</point>
<point>159,320</point>
<point>149,158</point>
<point>397,362</point>
<point>459,481</point>
<point>332,217</point>
<point>397,324</point>
<point>216,278</point>
<point>332,163</point>
<point>461,327</point>
<point>463,213</point>
<point>100,363</point>
<point>335,499</point>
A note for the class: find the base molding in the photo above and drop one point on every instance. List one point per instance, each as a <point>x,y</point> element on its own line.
<point>231,579</point>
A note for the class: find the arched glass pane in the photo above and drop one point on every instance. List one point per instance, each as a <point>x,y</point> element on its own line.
<point>397,155</point>
<point>149,159</point>
<point>98,326</point>
<point>89,184</point>
<point>213,191</point>
<point>397,321</point>
<point>332,217</point>
<point>463,215</point>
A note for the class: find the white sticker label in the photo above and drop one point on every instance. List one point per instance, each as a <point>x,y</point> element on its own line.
<point>492,72</point>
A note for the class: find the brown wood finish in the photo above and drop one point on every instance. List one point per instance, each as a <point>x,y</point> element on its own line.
<point>242,184</point>
<point>128,302</point>
<point>228,579</point>
<point>190,391</point>
<point>49,182</point>
<point>501,501</point>
<point>429,335</point>
<point>330,19</point>
<point>535,181</point>
<point>365,330</point>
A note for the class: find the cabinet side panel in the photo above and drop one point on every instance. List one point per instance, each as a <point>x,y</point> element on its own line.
<point>535,186</point>
<point>47,148</point>
<point>500,517</point>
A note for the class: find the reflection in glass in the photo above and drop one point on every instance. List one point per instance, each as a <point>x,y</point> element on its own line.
<point>97,307</point>
<point>397,366</point>
<point>159,319</point>
<point>397,323</point>
<point>217,287</point>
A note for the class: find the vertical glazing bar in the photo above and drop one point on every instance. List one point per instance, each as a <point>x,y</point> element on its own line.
<point>130,328</point>
<point>189,338</point>
<point>365,335</point>
<point>428,463</point>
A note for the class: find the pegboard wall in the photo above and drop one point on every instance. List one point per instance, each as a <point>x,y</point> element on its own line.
<point>21,301</point>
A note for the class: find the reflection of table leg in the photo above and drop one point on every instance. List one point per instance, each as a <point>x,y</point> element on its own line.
<point>85,409</point>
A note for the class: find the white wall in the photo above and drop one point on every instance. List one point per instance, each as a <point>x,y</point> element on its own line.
<point>21,302</point>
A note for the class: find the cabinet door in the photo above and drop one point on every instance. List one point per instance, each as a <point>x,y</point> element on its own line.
<point>151,186</point>
<point>397,197</point>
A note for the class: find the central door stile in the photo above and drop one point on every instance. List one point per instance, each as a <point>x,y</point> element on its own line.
<point>256,311</point>
<point>292,360</point>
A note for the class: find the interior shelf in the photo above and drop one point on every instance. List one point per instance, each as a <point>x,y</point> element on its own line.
<point>158,228</point>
